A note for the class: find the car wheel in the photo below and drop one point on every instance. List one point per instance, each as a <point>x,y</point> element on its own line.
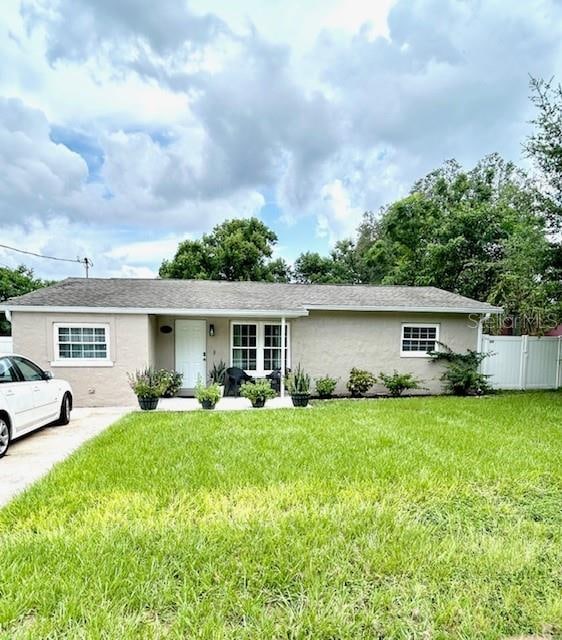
<point>4,436</point>
<point>64,417</point>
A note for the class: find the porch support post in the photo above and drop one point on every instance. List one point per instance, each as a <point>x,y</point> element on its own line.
<point>283,346</point>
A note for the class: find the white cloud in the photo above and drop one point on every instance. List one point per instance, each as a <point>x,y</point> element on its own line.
<point>193,111</point>
<point>135,253</point>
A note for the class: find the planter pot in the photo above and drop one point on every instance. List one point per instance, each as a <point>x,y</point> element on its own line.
<point>207,404</point>
<point>258,403</point>
<point>325,396</point>
<point>300,399</point>
<point>147,404</point>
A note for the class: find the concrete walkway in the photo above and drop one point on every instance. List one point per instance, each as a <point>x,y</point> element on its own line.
<point>224,404</point>
<point>31,457</point>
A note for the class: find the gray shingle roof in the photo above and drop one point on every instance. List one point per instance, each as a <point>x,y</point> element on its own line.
<point>159,295</point>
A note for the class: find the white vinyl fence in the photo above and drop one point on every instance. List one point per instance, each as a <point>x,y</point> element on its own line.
<point>5,345</point>
<point>523,362</point>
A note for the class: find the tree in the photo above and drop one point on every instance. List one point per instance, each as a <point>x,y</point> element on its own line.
<point>544,146</point>
<point>481,233</point>
<point>16,282</point>
<point>234,250</point>
<point>340,267</point>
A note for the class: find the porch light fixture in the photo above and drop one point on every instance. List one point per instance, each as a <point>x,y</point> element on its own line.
<point>211,330</point>
<point>166,329</point>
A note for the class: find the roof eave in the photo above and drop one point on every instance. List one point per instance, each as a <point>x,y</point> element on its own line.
<point>409,309</point>
<point>161,311</point>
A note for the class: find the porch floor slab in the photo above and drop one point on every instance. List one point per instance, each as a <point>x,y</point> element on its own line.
<point>224,404</point>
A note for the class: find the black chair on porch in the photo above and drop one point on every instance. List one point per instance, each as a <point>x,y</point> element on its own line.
<point>275,379</point>
<point>234,378</point>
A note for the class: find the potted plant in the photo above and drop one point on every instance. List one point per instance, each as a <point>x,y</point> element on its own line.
<point>207,396</point>
<point>171,382</point>
<point>147,387</point>
<point>325,387</point>
<point>360,381</point>
<point>257,392</point>
<point>298,385</point>
<point>217,374</point>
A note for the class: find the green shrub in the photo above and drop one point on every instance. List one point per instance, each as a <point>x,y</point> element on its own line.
<point>210,394</point>
<point>259,390</point>
<point>397,383</point>
<point>298,382</point>
<point>146,383</point>
<point>461,376</point>
<point>217,373</point>
<point>360,381</point>
<point>325,386</point>
<point>171,382</point>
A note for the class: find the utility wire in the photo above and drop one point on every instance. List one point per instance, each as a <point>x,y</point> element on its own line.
<point>85,261</point>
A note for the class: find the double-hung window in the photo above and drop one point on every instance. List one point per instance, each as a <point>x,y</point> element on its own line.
<point>81,344</point>
<point>256,346</point>
<point>418,339</point>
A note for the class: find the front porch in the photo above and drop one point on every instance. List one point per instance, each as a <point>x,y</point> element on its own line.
<point>195,345</point>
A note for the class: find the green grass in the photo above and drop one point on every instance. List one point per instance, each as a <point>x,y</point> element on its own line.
<point>411,518</point>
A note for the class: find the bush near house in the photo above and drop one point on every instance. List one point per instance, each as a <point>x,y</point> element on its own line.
<point>325,386</point>
<point>360,381</point>
<point>461,376</point>
<point>397,383</point>
<point>170,380</point>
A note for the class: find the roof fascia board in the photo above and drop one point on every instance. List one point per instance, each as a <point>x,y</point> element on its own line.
<point>227,313</point>
<point>331,307</point>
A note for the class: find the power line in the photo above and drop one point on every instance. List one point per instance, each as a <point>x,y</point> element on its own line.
<point>85,261</point>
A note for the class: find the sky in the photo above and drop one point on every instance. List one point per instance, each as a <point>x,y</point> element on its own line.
<point>126,127</point>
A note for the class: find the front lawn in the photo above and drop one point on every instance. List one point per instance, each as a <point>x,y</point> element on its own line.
<point>412,518</point>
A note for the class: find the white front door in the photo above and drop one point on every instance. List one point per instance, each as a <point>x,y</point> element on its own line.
<point>191,344</point>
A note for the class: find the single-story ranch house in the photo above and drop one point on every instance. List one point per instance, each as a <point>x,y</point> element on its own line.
<point>92,332</point>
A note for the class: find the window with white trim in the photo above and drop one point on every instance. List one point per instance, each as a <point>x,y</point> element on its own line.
<point>82,342</point>
<point>418,339</point>
<point>256,346</point>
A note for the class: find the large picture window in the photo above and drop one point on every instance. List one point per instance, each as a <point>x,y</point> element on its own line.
<point>418,339</point>
<point>256,346</point>
<point>81,343</point>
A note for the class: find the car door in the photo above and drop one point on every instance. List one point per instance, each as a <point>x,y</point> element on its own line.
<point>17,396</point>
<point>45,395</point>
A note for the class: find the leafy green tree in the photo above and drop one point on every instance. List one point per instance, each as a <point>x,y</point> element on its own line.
<point>340,267</point>
<point>16,282</point>
<point>481,233</point>
<point>544,146</point>
<point>234,250</point>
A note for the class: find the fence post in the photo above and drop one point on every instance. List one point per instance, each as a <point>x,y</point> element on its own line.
<point>559,362</point>
<point>523,363</point>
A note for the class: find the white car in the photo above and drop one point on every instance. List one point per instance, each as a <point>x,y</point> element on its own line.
<point>30,398</point>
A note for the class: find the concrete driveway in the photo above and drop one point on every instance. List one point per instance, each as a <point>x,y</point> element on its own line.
<point>31,457</point>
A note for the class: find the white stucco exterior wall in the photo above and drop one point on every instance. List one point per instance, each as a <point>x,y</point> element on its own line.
<point>325,343</point>
<point>129,349</point>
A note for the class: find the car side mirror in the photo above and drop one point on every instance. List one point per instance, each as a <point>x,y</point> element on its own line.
<point>48,375</point>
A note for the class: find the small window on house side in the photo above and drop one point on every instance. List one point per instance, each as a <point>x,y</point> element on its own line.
<point>82,343</point>
<point>418,339</point>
